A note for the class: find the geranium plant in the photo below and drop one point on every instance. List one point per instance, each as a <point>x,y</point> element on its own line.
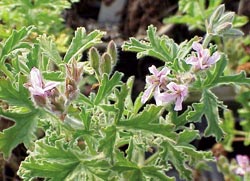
<point>106,135</point>
<point>45,15</point>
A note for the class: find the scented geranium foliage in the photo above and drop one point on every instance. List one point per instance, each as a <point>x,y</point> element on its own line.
<point>106,135</point>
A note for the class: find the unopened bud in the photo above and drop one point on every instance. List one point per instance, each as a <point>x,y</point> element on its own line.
<point>227,18</point>
<point>223,28</point>
<point>112,51</point>
<point>40,101</point>
<point>234,33</point>
<point>94,58</point>
<point>106,66</point>
<point>217,14</point>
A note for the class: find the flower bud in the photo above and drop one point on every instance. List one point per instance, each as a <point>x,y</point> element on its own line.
<point>223,28</point>
<point>217,14</point>
<point>112,51</point>
<point>105,66</point>
<point>94,58</point>
<point>227,17</point>
<point>234,33</point>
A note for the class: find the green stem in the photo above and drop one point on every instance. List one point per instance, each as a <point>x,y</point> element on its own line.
<point>207,40</point>
<point>241,133</point>
<point>91,149</point>
<point>7,72</point>
<point>152,158</point>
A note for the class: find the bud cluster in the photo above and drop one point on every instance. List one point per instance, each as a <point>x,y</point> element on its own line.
<point>105,63</point>
<point>73,77</point>
<point>48,96</point>
<point>220,23</point>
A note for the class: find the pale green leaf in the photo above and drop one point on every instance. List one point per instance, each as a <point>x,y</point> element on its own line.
<point>212,115</point>
<point>156,173</point>
<point>120,104</point>
<point>59,162</point>
<point>170,152</point>
<point>48,48</point>
<point>14,42</point>
<point>143,121</point>
<point>82,42</point>
<point>107,86</point>
<point>108,142</point>
<point>22,131</point>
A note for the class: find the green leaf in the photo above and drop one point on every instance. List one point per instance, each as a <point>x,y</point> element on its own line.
<point>228,127</point>
<point>85,100</point>
<point>239,21</point>
<point>143,121</point>
<point>54,76</point>
<point>193,22</point>
<point>21,132</point>
<point>108,142</point>
<point>197,113</point>
<point>120,104</point>
<point>59,162</point>
<point>138,104</point>
<point>213,77</point>
<point>195,156</point>
<point>48,48</point>
<point>82,42</point>
<point>107,86</point>
<point>122,164</point>
<point>156,173</point>
<point>161,48</point>
<point>240,78</point>
<point>212,116</point>
<point>85,117</point>
<point>14,42</point>
<point>181,120</point>
<point>176,156</point>
<point>15,95</point>
<point>187,136</point>
<point>33,57</point>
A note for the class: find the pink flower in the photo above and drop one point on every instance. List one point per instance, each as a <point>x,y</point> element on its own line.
<point>202,60</point>
<point>175,93</point>
<point>36,86</point>
<point>155,81</point>
<point>244,166</point>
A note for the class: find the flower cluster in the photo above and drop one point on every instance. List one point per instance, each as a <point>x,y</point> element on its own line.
<point>243,163</point>
<point>202,59</point>
<point>46,95</point>
<point>165,90</point>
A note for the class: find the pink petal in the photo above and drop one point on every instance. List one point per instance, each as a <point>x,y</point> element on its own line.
<point>165,71</point>
<point>50,85</point>
<point>192,60</point>
<point>178,103</point>
<point>240,171</point>
<point>147,93</point>
<point>36,77</point>
<point>37,91</point>
<point>242,160</point>
<point>164,98</point>
<point>172,86</point>
<point>197,47</point>
<point>214,58</point>
<point>150,79</point>
<point>153,70</point>
<point>205,54</point>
